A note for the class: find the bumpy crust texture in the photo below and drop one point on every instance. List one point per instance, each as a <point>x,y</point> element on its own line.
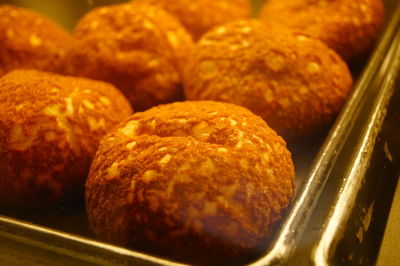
<point>201,15</point>
<point>350,27</point>
<point>296,83</point>
<point>50,128</point>
<point>140,49</point>
<point>191,178</point>
<point>30,40</point>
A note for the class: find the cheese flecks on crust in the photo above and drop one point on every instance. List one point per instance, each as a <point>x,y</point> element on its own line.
<point>350,27</point>
<point>139,48</point>
<point>30,40</point>
<point>192,191</point>
<point>202,15</point>
<point>298,87</point>
<point>49,126</point>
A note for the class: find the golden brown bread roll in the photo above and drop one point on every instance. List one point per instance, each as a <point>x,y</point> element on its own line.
<point>30,40</point>
<point>296,83</point>
<point>190,178</point>
<point>201,15</point>
<point>140,49</point>
<point>349,27</point>
<point>50,127</point>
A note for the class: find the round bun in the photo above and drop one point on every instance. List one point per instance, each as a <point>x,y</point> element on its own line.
<point>139,48</point>
<point>201,15</point>
<point>350,27</point>
<point>50,127</point>
<point>30,40</point>
<point>296,83</point>
<point>190,178</point>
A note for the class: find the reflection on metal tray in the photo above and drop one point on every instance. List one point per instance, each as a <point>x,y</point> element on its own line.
<point>62,235</point>
<point>354,229</point>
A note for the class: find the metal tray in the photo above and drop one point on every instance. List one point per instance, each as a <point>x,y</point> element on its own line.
<point>354,229</point>
<point>61,236</point>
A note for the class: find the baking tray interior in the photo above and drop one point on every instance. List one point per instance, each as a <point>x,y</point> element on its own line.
<point>354,228</point>
<point>313,158</point>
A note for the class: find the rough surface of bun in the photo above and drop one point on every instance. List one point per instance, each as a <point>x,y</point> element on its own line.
<point>188,179</point>
<point>30,40</point>
<point>350,27</point>
<point>140,49</point>
<point>201,15</point>
<point>50,128</point>
<point>296,83</point>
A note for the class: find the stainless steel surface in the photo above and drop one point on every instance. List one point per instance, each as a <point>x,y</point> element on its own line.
<point>70,247</point>
<point>63,233</point>
<point>297,220</point>
<point>389,251</point>
<point>342,224</point>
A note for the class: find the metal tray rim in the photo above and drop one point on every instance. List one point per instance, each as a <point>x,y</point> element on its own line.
<point>354,174</point>
<point>295,222</point>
